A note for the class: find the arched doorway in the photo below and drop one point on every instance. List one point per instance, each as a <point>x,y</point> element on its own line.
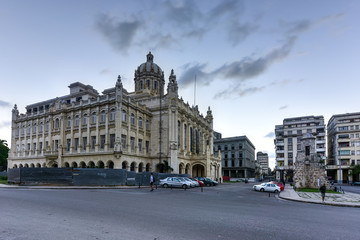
<point>198,170</point>
<point>66,165</point>
<point>110,164</point>
<point>74,165</point>
<point>91,164</point>
<point>100,164</point>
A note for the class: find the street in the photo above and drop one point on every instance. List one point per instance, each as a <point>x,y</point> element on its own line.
<point>227,211</point>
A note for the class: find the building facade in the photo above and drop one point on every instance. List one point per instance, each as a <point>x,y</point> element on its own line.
<point>263,161</point>
<point>343,146</point>
<point>237,156</point>
<point>117,129</point>
<point>288,141</point>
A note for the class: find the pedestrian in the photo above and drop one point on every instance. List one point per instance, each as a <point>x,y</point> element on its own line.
<point>152,180</point>
<point>323,191</point>
<point>220,180</point>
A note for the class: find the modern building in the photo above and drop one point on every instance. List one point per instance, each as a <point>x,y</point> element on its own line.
<point>343,142</point>
<point>136,130</point>
<point>288,141</point>
<point>237,156</point>
<point>263,160</point>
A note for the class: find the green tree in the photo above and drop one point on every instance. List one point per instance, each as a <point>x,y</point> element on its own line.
<point>4,150</point>
<point>164,167</point>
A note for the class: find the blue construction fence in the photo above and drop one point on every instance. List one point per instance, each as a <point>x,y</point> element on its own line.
<point>83,177</point>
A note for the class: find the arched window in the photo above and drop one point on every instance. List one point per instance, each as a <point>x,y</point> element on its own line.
<point>123,165</point>
<point>69,122</point>
<point>93,118</point>
<point>132,167</point>
<point>41,127</point>
<point>123,116</point>
<point>148,84</point>
<point>85,119</point>
<point>140,167</point>
<point>102,116</point>
<point>112,115</point>
<point>34,128</point>
<point>57,123</point>
<point>77,120</point>
<point>141,85</point>
<point>132,119</point>
<point>147,167</point>
<point>140,122</point>
<point>155,86</point>
<point>147,125</point>
<point>179,124</point>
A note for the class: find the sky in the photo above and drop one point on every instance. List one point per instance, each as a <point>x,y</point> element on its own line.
<point>255,62</point>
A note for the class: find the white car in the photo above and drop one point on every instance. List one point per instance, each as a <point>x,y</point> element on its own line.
<point>267,187</point>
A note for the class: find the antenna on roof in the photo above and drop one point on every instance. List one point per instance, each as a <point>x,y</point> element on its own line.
<point>195,92</point>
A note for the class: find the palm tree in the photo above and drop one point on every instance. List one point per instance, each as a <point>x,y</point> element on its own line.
<point>164,167</point>
<point>4,150</point>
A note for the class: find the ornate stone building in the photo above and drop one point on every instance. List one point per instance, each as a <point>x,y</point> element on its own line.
<point>117,129</point>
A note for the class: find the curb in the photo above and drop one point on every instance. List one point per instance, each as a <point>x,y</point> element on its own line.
<point>320,203</point>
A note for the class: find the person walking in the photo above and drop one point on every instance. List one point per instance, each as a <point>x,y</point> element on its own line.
<point>323,191</point>
<point>152,182</point>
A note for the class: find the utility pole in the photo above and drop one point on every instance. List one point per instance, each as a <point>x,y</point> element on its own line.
<point>160,123</point>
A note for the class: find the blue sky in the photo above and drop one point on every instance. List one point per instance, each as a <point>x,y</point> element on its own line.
<point>256,62</point>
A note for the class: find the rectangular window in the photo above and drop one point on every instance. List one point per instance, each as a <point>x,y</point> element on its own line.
<point>290,148</point>
<point>40,147</point>
<point>290,156</point>
<point>299,147</point>
<point>76,143</point>
<point>102,141</point>
<point>299,132</point>
<point>123,141</point>
<point>84,143</point>
<point>147,145</point>
<point>68,144</point>
<point>132,143</point>
<point>34,148</point>
<point>233,163</point>
<point>140,145</point>
<point>56,145</point>
<point>112,140</point>
<point>93,142</point>
<point>46,145</point>
<point>226,164</point>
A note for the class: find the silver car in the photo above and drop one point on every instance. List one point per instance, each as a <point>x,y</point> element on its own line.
<point>192,183</point>
<point>174,182</point>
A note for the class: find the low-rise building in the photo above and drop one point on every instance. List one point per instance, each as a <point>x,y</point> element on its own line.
<point>237,156</point>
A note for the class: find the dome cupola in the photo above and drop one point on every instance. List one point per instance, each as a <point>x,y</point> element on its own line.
<point>149,76</point>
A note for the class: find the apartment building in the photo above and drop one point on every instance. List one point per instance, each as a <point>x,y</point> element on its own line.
<point>343,146</point>
<point>288,141</point>
<point>263,160</point>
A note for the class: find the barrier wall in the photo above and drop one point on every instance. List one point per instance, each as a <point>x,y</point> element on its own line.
<point>83,177</point>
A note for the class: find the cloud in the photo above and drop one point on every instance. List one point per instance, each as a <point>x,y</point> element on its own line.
<point>237,91</point>
<point>5,124</point>
<point>187,78</point>
<point>4,104</point>
<point>270,135</point>
<point>120,34</point>
<point>283,107</point>
<point>239,32</point>
<point>249,67</point>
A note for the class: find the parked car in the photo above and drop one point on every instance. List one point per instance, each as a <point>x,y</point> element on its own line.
<point>207,181</point>
<point>174,182</point>
<point>282,187</point>
<point>191,182</point>
<point>267,187</point>
<point>201,183</point>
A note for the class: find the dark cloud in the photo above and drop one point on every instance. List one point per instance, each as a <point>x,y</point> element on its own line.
<point>283,107</point>
<point>187,78</point>
<point>4,104</point>
<point>270,135</point>
<point>237,91</point>
<point>120,34</point>
<point>249,67</point>
<point>5,124</point>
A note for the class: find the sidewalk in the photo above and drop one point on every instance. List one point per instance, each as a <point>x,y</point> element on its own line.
<point>344,200</point>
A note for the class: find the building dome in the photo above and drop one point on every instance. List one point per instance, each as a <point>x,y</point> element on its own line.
<point>149,76</point>
<point>149,66</point>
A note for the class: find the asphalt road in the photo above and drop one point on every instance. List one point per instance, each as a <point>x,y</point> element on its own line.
<point>228,211</point>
